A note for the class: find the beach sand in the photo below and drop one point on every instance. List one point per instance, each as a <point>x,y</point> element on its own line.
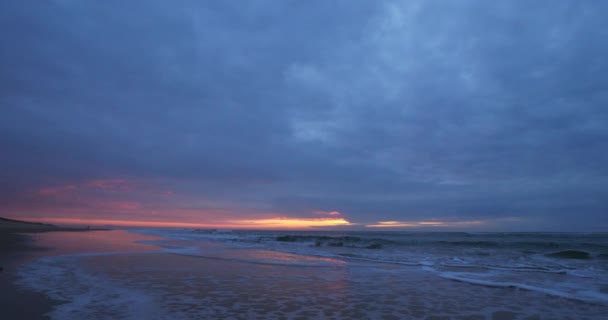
<point>17,302</point>
<point>216,288</point>
<point>138,281</point>
<point>21,242</point>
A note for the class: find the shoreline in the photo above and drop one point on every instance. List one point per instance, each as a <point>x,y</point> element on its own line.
<point>136,274</point>
<point>17,247</point>
<point>133,272</point>
<point>17,302</point>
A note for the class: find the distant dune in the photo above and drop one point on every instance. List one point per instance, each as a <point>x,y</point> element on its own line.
<point>12,225</point>
<point>24,225</point>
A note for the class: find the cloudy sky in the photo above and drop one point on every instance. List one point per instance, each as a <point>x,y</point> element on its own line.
<point>442,115</point>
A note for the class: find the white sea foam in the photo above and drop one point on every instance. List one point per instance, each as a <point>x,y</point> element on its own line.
<point>523,271</point>
<point>86,296</point>
<point>376,272</point>
<point>569,291</point>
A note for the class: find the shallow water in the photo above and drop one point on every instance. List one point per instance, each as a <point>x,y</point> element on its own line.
<point>251,275</point>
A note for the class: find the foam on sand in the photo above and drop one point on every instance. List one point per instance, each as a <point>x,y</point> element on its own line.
<point>252,275</point>
<point>570,291</point>
<point>87,296</point>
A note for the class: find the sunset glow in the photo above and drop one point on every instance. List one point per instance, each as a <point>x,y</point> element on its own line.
<point>276,223</point>
<point>291,223</point>
<point>181,126</point>
<point>412,224</point>
<point>392,159</point>
<point>132,202</point>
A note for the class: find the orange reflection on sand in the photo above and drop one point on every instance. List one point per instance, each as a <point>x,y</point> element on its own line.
<point>69,242</point>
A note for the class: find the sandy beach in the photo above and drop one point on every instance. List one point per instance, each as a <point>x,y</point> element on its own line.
<point>129,275</point>
<point>291,160</point>
<point>17,302</point>
<point>19,244</point>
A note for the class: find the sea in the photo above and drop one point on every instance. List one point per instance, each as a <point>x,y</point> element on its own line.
<point>223,274</point>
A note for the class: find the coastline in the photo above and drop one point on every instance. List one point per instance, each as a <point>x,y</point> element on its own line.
<point>18,246</point>
<point>17,302</point>
<point>185,274</point>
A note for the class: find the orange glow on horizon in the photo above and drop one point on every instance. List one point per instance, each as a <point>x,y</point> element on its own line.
<point>410,224</point>
<point>129,202</point>
<point>274,223</point>
<point>291,223</point>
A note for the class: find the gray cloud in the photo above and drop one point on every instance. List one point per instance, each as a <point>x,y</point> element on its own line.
<point>382,110</point>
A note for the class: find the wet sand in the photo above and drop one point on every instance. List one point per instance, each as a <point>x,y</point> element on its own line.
<point>223,286</point>
<point>15,301</point>
<point>140,282</point>
<point>22,242</point>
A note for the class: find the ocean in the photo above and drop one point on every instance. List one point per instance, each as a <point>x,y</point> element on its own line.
<point>215,274</point>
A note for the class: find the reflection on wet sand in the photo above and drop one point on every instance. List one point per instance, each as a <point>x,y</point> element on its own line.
<point>94,241</point>
<point>201,279</point>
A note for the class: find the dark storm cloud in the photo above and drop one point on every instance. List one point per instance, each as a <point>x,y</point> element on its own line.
<point>393,110</point>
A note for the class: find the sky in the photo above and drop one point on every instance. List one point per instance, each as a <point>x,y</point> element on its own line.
<point>362,115</point>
